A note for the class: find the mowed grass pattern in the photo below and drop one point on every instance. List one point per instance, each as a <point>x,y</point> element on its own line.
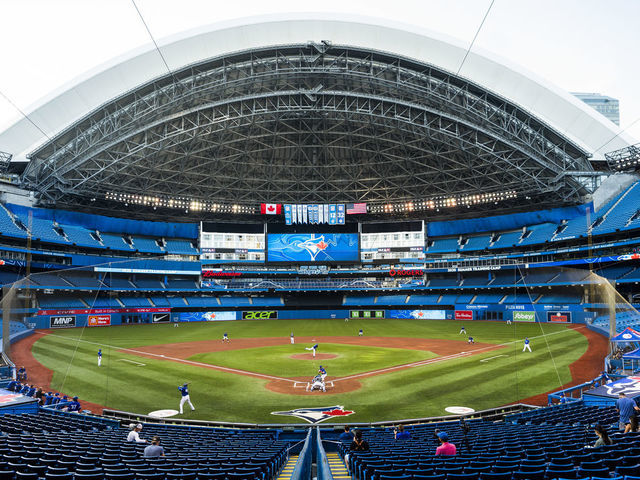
<point>410,393</point>
<point>277,360</point>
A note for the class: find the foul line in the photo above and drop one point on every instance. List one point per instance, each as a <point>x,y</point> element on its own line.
<point>180,360</point>
<point>491,358</point>
<point>131,361</point>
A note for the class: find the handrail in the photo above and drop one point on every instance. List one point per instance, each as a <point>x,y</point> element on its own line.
<point>322,462</point>
<point>302,468</point>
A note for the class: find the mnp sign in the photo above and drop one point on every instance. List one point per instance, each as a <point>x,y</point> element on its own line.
<point>524,316</point>
<point>263,315</point>
<point>62,321</point>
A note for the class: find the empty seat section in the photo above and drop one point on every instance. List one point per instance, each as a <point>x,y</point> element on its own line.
<point>614,272</point>
<point>49,280</point>
<point>429,299</point>
<point>114,241</point>
<point>507,240</point>
<point>507,278</point>
<point>41,229</point>
<point>135,301</point>
<point>160,301</point>
<point>465,298</point>
<point>81,236</point>
<point>538,277</point>
<point>618,216</point>
<point>391,299</point>
<point>523,298</point>
<point>443,245</point>
<point>180,247</point>
<point>176,301</point>
<point>235,301</point>
<point>358,300</point>
<point>8,228</point>
<point>146,245</point>
<point>570,276</point>
<point>539,233</point>
<point>51,301</point>
<point>488,298</point>
<point>448,299</point>
<point>267,301</point>
<point>117,282</point>
<point>450,281</point>
<point>9,277</point>
<point>83,281</point>
<point>477,242</point>
<point>101,302</point>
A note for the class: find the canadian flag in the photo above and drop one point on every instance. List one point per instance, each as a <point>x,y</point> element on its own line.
<point>271,209</point>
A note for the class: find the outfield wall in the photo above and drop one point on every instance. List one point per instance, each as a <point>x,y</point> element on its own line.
<point>108,317</point>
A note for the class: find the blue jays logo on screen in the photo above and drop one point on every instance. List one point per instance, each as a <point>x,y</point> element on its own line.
<point>317,414</point>
<point>629,386</point>
<point>312,247</point>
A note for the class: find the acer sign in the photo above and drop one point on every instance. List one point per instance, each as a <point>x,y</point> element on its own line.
<point>263,315</point>
<point>218,274</point>
<point>405,273</point>
<point>464,315</point>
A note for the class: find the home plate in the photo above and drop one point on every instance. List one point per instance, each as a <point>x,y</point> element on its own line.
<point>459,410</point>
<point>163,413</point>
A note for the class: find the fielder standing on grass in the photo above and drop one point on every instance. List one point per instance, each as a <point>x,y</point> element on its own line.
<point>527,346</point>
<point>184,390</point>
<point>99,356</point>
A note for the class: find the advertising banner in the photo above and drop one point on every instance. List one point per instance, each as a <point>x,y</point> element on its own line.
<point>161,317</point>
<point>418,314</point>
<point>519,316</point>
<point>366,313</point>
<point>98,320</point>
<point>101,311</point>
<point>463,315</point>
<point>312,247</point>
<point>260,315</point>
<point>62,321</point>
<point>559,317</point>
<point>208,316</point>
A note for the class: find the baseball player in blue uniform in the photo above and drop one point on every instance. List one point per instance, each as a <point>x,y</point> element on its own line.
<point>312,349</point>
<point>225,337</point>
<point>99,356</point>
<point>526,344</point>
<point>322,372</point>
<point>184,390</point>
<point>471,340</point>
<point>463,330</point>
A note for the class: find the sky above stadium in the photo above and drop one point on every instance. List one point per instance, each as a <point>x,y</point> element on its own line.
<point>580,45</point>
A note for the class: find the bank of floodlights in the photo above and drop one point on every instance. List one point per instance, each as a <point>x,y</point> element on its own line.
<point>443,202</point>
<point>185,204</point>
<point>624,160</point>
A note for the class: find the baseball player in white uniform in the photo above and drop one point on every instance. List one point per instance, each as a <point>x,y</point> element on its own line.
<point>99,356</point>
<point>312,349</point>
<point>184,390</point>
<point>292,339</point>
<point>526,344</point>
<point>316,384</point>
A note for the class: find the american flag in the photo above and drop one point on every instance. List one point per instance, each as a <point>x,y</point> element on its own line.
<point>354,208</point>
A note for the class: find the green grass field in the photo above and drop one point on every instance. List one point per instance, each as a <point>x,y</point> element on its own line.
<point>410,393</point>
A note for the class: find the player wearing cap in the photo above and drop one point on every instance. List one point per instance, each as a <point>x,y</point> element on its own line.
<point>293,340</point>
<point>471,340</point>
<point>312,349</point>
<point>445,447</point>
<point>225,337</point>
<point>463,330</point>
<point>184,390</point>
<point>360,332</point>
<point>526,344</point>
<point>99,356</point>
<point>317,383</point>
<point>322,372</point>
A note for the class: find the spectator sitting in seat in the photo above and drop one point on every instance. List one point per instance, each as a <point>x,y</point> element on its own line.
<point>134,434</point>
<point>603,436</point>
<point>445,447</point>
<point>400,434</point>
<point>154,450</point>
<point>346,436</point>
<point>358,445</point>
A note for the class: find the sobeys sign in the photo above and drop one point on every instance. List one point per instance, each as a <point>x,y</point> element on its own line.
<point>524,316</point>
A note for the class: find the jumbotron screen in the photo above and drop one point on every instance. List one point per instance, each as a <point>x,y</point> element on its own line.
<point>312,247</point>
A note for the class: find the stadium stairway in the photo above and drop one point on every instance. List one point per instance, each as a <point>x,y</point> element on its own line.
<point>287,471</point>
<point>337,466</point>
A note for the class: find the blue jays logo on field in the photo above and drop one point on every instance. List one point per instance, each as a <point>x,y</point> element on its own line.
<point>629,386</point>
<point>313,245</point>
<point>317,414</point>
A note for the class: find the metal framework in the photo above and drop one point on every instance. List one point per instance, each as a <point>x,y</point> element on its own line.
<point>624,160</point>
<point>313,123</point>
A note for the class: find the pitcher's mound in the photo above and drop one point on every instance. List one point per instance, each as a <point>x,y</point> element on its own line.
<point>309,356</point>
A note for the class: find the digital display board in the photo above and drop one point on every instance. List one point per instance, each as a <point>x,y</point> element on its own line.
<point>312,247</point>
